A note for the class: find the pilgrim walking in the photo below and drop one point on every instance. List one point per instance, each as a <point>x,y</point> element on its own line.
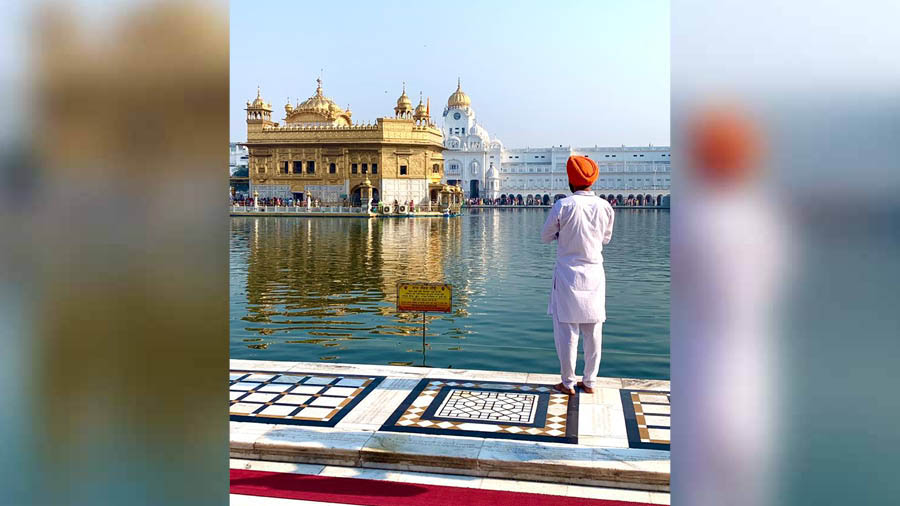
<point>582,224</point>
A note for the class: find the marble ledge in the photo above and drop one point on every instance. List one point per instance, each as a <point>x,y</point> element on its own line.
<point>646,469</point>
<point>312,445</point>
<point>338,368</point>
<point>646,384</point>
<point>243,435</point>
<point>444,452</point>
<point>276,467</point>
<point>541,474</point>
<point>301,437</point>
<point>261,365</point>
<point>244,454</point>
<point>476,375</point>
<point>550,462</point>
<point>528,453</point>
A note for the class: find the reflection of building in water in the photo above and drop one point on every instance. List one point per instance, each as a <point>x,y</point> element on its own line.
<point>421,248</point>
<point>318,267</point>
<point>485,168</point>
<point>319,152</point>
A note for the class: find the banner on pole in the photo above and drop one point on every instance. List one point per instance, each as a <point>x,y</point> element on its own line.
<point>422,297</point>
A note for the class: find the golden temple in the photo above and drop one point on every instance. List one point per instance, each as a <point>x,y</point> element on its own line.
<point>318,153</point>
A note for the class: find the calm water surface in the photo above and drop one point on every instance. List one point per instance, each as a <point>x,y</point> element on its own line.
<point>320,289</point>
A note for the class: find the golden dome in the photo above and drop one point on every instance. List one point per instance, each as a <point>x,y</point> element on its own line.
<point>459,97</point>
<point>421,110</point>
<point>319,103</point>
<point>317,108</point>
<point>258,102</point>
<point>403,102</point>
<point>404,106</point>
<point>288,107</point>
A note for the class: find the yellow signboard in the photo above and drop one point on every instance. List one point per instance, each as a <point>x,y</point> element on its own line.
<point>421,297</point>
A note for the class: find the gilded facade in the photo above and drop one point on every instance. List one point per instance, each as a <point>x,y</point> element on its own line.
<point>318,152</point>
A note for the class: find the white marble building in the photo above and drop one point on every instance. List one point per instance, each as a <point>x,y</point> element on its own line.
<point>471,157</point>
<point>484,168</point>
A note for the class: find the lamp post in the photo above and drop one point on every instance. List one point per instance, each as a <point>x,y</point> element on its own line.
<point>365,194</point>
<point>256,200</point>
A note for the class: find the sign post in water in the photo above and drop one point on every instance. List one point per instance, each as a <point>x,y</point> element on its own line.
<point>424,297</point>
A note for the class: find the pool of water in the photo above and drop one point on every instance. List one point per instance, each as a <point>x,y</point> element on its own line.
<point>324,289</point>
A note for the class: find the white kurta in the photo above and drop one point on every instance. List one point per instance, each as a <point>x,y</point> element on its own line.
<point>582,224</point>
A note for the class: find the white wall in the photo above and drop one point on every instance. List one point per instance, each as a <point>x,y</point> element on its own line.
<point>404,190</point>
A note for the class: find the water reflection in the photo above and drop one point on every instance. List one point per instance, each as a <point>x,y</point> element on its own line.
<point>325,289</point>
<point>313,276</point>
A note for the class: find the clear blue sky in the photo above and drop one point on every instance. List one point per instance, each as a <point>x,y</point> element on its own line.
<point>539,73</point>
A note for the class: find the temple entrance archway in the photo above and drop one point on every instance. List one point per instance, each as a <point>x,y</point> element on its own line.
<point>356,199</point>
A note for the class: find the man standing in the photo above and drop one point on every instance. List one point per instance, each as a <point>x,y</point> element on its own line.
<point>582,224</point>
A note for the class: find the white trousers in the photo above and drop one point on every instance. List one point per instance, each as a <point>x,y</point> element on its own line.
<point>566,337</point>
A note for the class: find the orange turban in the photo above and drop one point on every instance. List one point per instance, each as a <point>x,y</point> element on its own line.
<point>582,171</point>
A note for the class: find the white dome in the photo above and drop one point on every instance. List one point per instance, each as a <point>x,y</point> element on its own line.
<point>481,132</point>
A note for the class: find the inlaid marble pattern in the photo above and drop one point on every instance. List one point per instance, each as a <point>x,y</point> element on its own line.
<point>487,409</point>
<point>491,406</point>
<point>295,398</point>
<point>647,418</point>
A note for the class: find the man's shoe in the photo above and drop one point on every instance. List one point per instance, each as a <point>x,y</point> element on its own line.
<point>588,390</point>
<point>559,387</point>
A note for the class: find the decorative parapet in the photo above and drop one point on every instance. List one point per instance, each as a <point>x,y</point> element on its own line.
<point>383,130</point>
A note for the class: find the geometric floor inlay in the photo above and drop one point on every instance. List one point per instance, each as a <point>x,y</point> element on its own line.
<point>648,418</point>
<point>484,405</point>
<point>487,409</point>
<point>295,398</point>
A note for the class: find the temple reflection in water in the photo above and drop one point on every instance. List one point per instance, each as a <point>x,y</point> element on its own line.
<point>311,289</point>
<point>321,281</point>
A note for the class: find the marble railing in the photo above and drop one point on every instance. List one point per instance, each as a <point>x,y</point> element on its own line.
<point>295,209</point>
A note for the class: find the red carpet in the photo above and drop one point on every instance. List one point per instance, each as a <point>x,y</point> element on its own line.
<point>389,493</point>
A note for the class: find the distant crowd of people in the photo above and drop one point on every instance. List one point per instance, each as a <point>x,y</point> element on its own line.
<point>245,201</point>
<point>265,201</point>
<point>518,201</point>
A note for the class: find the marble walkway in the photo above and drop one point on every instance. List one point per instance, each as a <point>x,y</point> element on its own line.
<point>476,423</point>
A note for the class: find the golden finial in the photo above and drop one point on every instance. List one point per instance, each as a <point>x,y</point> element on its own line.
<point>258,95</point>
<point>458,83</point>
